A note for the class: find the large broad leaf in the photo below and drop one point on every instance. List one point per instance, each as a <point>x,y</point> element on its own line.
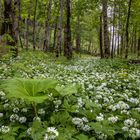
<point>66,90</point>
<point>82,137</point>
<point>33,90</point>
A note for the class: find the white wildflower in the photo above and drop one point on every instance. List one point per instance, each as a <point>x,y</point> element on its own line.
<point>41,111</point>
<point>14,118</point>
<point>51,133</point>
<point>1,115</point>
<point>16,110</point>
<point>113,119</point>
<point>5,129</point>
<point>22,119</point>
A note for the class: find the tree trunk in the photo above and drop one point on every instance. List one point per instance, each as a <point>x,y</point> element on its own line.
<point>78,36</point>
<point>68,47</point>
<point>34,26</point>
<point>105,23</point>
<point>16,25</point>
<point>54,36</point>
<point>113,35</point>
<point>135,40</point>
<point>27,26</point>
<point>59,42</point>
<point>46,39</point>
<point>127,27</point>
<point>139,46</point>
<point>10,24</point>
<point>101,37</point>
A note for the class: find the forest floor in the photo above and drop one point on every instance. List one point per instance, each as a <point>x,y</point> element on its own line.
<point>108,104</point>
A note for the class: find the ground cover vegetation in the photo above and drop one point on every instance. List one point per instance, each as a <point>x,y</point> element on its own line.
<point>69,70</point>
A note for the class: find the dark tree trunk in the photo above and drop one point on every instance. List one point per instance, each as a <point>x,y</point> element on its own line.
<point>68,47</point>
<point>127,27</point>
<point>59,42</point>
<point>113,35</point>
<point>46,39</point>
<point>54,36</point>
<point>7,23</point>
<point>10,23</point>
<point>105,23</point>
<point>101,37</point>
<point>15,18</point>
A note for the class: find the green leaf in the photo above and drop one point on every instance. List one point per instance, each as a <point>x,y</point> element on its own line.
<point>32,90</point>
<point>67,90</point>
<point>82,137</point>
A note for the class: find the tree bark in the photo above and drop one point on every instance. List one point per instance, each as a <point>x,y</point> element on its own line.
<point>68,47</point>
<point>27,26</point>
<point>127,27</point>
<point>139,46</point>
<point>34,26</point>
<point>78,36</point>
<point>59,42</point>
<point>105,23</point>
<point>101,37</point>
<point>46,40</point>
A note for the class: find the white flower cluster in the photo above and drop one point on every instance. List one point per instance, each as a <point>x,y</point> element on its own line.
<point>37,119</point>
<point>100,117</point>
<point>133,100</point>
<point>81,123</point>
<point>2,93</point>
<point>41,111</point>
<point>1,115</point>
<point>51,133</point>
<point>113,119</point>
<point>14,118</point>
<point>4,129</point>
<point>119,106</point>
<point>130,122</point>
<point>22,119</point>
<point>101,136</point>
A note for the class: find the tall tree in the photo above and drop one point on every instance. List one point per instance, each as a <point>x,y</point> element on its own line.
<point>105,24</point>
<point>34,26</point>
<point>59,42</point>
<point>27,25</point>
<point>127,28</point>
<point>101,37</point>
<point>67,41</point>
<point>47,26</point>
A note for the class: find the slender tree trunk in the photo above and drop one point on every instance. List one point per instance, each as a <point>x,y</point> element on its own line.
<point>139,46</point>
<point>16,25</point>
<point>34,26</point>
<point>27,26</point>
<point>68,47</point>
<point>59,42</point>
<point>101,37</point>
<point>78,36</point>
<point>135,40</point>
<point>113,35</point>
<point>105,23</point>
<point>127,27</point>
<point>54,36</point>
<point>46,40</point>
